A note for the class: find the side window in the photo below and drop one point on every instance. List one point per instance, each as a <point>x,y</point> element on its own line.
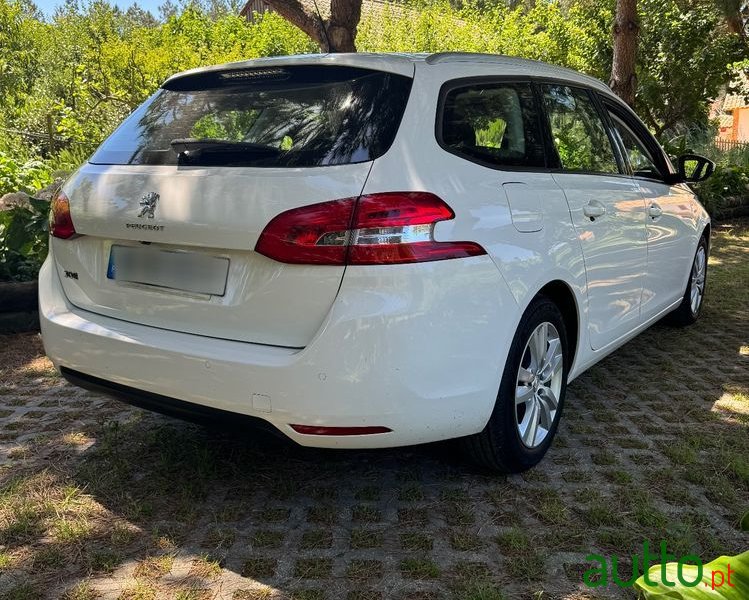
<point>640,158</point>
<point>577,130</point>
<point>493,123</point>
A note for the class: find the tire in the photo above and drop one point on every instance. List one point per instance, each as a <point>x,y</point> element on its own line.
<point>501,445</point>
<point>688,313</point>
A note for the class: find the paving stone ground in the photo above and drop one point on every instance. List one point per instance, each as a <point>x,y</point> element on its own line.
<point>99,499</point>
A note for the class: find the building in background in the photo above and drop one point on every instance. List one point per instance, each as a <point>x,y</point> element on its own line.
<point>732,113</point>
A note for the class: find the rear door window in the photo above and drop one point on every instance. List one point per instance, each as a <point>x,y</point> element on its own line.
<point>492,123</point>
<point>298,116</point>
<point>577,130</point>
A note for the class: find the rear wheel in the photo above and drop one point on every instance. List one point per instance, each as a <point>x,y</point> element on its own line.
<point>691,303</point>
<point>531,394</point>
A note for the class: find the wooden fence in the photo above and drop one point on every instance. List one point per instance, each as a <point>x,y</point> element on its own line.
<point>730,145</point>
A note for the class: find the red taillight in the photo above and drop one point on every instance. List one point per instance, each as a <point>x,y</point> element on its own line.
<point>60,222</point>
<point>293,236</point>
<point>388,228</point>
<point>320,430</point>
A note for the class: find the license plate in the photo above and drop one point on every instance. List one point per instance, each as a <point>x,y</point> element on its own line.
<point>173,269</point>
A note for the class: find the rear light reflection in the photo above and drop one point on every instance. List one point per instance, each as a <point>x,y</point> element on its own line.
<point>318,430</point>
<point>376,229</point>
<point>60,221</point>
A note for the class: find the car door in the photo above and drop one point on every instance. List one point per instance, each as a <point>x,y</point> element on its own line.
<point>607,208</point>
<point>670,214</point>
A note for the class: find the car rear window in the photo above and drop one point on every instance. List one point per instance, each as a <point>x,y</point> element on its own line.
<point>300,116</point>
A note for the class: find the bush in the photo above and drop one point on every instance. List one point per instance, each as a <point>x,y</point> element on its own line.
<point>726,192</point>
<point>727,188</point>
<point>23,240</point>
<point>25,177</point>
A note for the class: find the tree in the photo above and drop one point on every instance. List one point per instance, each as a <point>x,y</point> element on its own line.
<point>625,32</point>
<point>337,33</point>
<point>734,12</point>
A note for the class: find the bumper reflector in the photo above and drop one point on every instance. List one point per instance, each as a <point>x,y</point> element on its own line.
<point>317,430</point>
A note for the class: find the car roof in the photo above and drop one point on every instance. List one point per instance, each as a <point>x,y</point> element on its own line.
<point>404,64</point>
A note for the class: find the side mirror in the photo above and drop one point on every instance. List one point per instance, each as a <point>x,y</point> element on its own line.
<point>693,167</point>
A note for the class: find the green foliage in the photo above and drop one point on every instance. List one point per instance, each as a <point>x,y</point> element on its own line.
<point>711,580</point>
<point>728,187</point>
<point>556,32</point>
<point>26,177</point>
<point>228,125</point>
<point>89,65</point>
<point>23,240</point>
<point>726,184</point>
<point>92,64</point>
<point>685,56</point>
<point>686,52</point>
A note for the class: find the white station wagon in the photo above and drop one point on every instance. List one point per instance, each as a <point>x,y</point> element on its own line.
<point>364,251</point>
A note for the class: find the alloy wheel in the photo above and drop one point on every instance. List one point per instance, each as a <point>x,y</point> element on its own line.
<point>539,384</point>
<point>699,269</point>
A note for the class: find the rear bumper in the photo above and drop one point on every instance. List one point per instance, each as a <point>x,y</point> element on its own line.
<point>172,407</point>
<point>418,349</point>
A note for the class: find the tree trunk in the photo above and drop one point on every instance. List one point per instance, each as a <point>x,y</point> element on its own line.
<point>734,13</point>
<point>344,18</point>
<point>335,34</point>
<point>625,31</point>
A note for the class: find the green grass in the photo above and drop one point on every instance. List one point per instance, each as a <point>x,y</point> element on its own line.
<point>23,591</point>
<point>81,591</point>
<point>267,539</point>
<point>104,560</point>
<point>366,538</point>
<point>205,567</point>
<point>313,568</point>
<point>365,514</point>
<point>413,517</point>
<point>416,541</point>
<point>419,568</point>
<point>49,558</point>
<point>316,539</point>
<point>411,493</point>
<point>465,541</point>
<point>259,567</point>
<point>322,515</point>
<point>153,567</point>
<point>364,569</point>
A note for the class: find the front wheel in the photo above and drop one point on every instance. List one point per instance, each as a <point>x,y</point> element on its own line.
<point>691,303</point>
<point>531,394</point>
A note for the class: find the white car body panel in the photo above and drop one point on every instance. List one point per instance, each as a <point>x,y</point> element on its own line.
<point>418,348</point>
<point>672,239</point>
<point>352,374</point>
<point>219,210</point>
<point>614,250</point>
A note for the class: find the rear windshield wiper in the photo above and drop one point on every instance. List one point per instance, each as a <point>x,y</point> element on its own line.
<point>192,148</point>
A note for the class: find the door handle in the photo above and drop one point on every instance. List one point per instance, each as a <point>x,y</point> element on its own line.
<point>655,211</point>
<point>594,209</point>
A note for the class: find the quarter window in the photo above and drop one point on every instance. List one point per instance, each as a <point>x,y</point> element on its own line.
<point>639,157</point>
<point>495,124</point>
<point>577,130</point>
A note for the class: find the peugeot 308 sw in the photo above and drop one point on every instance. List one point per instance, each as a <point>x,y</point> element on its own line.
<point>364,251</point>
